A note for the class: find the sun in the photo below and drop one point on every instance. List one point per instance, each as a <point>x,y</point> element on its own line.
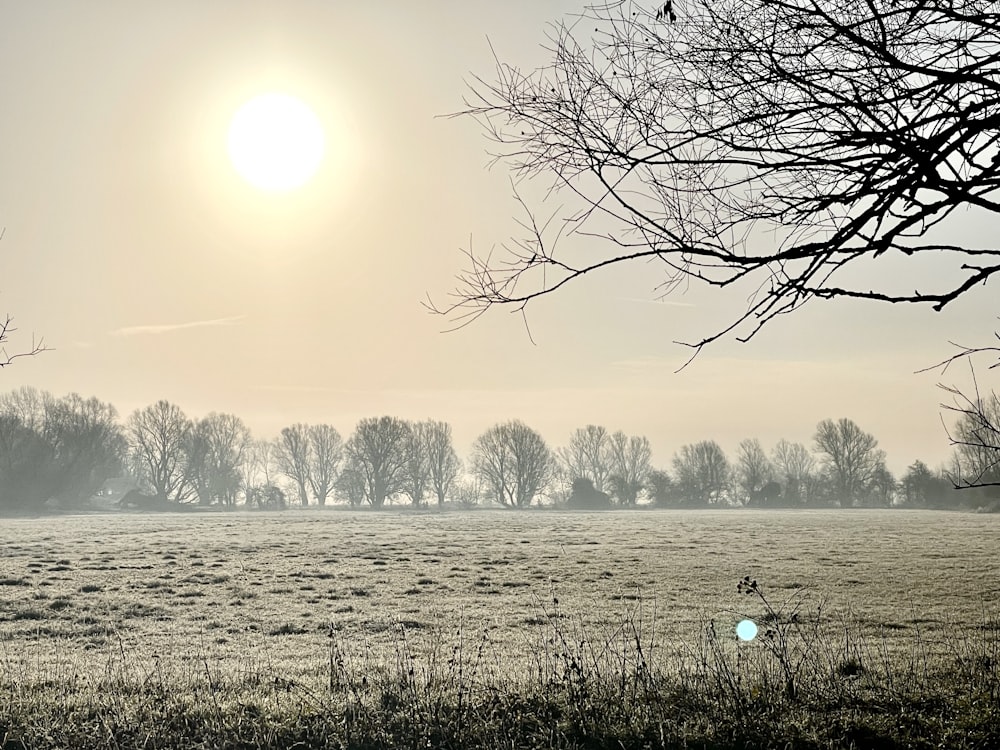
<point>276,142</point>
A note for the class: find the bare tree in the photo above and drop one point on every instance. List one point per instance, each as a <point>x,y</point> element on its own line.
<point>629,466</point>
<point>976,439</point>
<point>418,466</point>
<point>442,460</point>
<point>380,449</point>
<point>89,444</point>
<point>198,463</point>
<point>7,328</point>
<point>976,433</point>
<point>661,488</point>
<point>514,462</point>
<point>701,472</point>
<point>766,145</point>
<point>882,487</point>
<point>62,449</point>
<point>588,456</point>
<point>351,484</point>
<point>851,457</point>
<point>469,491</point>
<point>326,448</point>
<point>794,466</point>
<point>259,489</point>
<point>922,488</point>
<point>226,439</point>
<point>291,453</point>
<point>27,475</point>
<point>259,462</point>
<point>27,404</point>
<point>753,469</point>
<point>156,436</point>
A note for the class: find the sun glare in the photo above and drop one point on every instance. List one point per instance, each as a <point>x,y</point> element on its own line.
<point>276,142</point>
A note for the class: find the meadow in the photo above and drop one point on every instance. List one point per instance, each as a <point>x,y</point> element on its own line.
<point>498,628</point>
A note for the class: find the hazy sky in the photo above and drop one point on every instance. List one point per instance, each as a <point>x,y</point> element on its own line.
<point>155,271</point>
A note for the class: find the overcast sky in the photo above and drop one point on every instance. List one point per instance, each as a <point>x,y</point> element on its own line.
<point>133,246</point>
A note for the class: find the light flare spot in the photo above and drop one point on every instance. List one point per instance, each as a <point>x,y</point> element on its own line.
<point>746,630</point>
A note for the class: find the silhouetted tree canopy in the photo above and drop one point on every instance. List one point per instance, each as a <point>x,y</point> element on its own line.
<point>62,449</point>
<point>157,435</point>
<point>513,462</point>
<point>774,143</point>
<point>922,488</point>
<point>701,473</point>
<point>379,450</point>
<point>854,463</point>
<point>976,438</point>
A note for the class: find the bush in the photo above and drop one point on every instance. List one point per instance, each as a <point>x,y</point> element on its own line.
<point>587,497</point>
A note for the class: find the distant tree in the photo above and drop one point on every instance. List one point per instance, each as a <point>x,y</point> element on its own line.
<point>380,450</point>
<point>882,487</point>
<point>794,465</point>
<point>560,484</point>
<point>588,456</point>
<point>265,497</point>
<point>197,464</point>
<point>851,458</point>
<point>89,445</point>
<point>975,437</point>
<point>326,448</point>
<point>701,473</point>
<point>62,449</point>
<point>418,463</point>
<point>629,464</point>
<point>226,440</point>
<point>28,475</point>
<point>513,462</point>
<point>350,483</point>
<point>469,491</point>
<point>442,460</point>
<point>258,467</point>
<point>156,436</point>
<point>587,497</point>
<point>661,488</point>
<point>922,488</point>
<point>753,470</point>
<point>292,456</point>
<point>28,405</point>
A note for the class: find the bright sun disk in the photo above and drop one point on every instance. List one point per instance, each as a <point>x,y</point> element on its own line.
<point>276,142</point>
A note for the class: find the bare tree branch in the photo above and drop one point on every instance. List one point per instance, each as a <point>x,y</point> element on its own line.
<point>37,347</point>
<point>773,143</point>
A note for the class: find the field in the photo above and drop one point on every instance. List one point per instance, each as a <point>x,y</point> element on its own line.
<point>303,614</point>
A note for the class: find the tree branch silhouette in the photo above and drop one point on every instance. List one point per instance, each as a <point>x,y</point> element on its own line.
<point>771,142</point>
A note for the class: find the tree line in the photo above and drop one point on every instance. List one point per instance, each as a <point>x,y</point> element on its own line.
<point>66,449</point>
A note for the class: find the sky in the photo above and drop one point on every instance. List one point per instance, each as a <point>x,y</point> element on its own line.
<point>153,270</point>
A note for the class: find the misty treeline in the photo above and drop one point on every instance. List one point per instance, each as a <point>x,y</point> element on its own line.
<point>67,449</point>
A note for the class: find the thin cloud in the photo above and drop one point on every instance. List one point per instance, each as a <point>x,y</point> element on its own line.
<point>664,302</point>
<point>303,389</point>
<point>168,327</point>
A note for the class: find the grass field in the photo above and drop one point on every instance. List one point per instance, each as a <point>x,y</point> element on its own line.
<point>330,627</point>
